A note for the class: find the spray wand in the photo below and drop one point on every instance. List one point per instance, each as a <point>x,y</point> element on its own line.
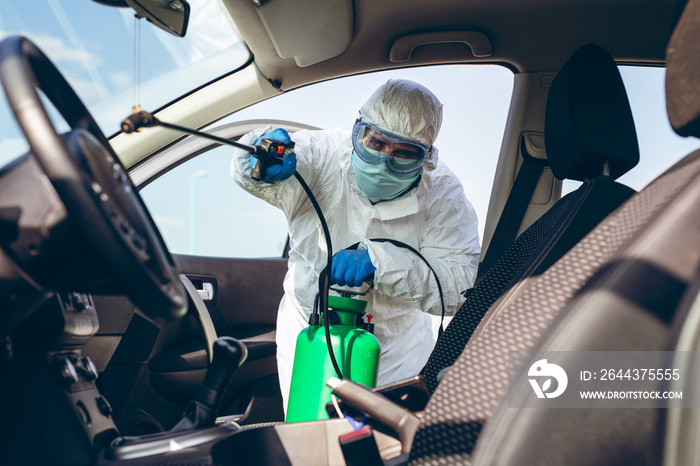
<point>269,152</point>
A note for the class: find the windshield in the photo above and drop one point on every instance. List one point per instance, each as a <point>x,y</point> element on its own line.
<point>94,46</point>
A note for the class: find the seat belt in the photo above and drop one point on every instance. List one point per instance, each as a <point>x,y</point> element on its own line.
<point>514,211</point>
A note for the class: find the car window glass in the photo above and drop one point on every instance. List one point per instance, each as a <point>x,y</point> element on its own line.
<point>232,223</point>
<point>659,146</point>
<point>199,210</point>
<point>102,68</point>
<point>475,99</point>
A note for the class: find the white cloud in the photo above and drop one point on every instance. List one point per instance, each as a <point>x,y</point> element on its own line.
<point>59,51</point>
<point>120,79</point>
<point>55,47</point>
<point>86,89</point>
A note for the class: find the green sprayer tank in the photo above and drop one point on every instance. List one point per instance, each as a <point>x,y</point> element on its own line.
<point>356,351</point>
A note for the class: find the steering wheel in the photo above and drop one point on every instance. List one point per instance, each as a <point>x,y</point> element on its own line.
<point>100,199</point>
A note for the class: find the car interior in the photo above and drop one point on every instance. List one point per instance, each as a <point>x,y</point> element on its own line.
<point>118,351</point>
<point>577,130</point>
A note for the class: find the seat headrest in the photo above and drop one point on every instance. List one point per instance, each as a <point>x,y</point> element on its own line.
<point>588,120</point>
<point>683,73</point>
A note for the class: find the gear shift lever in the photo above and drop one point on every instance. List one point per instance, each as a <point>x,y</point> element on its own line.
<point>228,356</point>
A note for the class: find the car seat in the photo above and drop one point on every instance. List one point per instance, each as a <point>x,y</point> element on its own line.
<point>617,289</point>
<point>645,298</point>
<point>589,137</point>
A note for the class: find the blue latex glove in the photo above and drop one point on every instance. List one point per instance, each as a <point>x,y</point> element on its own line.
<point>351,268</point>
<point>289,164</point>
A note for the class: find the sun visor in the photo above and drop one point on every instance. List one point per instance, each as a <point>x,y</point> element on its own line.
<point>310,31</point>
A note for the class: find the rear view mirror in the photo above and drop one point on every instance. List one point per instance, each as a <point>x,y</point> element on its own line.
<point>169,15</point>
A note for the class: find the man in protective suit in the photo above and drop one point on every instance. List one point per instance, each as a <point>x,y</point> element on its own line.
<point>382,180</point>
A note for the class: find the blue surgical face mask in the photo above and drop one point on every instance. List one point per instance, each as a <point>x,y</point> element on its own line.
<point>377,182</point>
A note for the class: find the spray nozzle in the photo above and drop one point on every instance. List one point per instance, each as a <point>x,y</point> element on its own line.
<point>137,120</point>
<point>269,152</point>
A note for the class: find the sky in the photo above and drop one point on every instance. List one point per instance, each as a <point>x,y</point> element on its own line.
<point>101,67</point>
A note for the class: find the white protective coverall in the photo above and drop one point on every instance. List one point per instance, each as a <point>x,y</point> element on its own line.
<point>435,218</point>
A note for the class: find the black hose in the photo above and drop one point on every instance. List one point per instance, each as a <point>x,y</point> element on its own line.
<point>325,275</point>
<point>437,280</point>
<point>414,251</point>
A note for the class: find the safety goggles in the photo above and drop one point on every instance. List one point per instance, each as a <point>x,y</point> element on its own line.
<point>401,155</point>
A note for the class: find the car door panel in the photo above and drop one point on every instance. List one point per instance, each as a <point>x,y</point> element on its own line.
<point>247,292</point>
<point>157,367</point>
<point>244,306</point>
<point>244,300</point>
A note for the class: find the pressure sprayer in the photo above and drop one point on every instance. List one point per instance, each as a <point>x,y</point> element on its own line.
<point>348,348</point>
<point>335,325</point>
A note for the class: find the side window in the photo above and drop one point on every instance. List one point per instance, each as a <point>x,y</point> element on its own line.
<point>475,100</point>
<point>659,146</point>
<point>200,210</point>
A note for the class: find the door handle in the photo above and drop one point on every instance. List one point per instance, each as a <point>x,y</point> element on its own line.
<point>206,292</point>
